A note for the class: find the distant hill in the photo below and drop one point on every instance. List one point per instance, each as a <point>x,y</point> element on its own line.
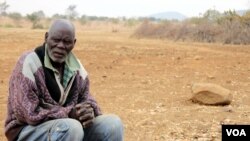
<point>171,15</point>
<point>241,12</point>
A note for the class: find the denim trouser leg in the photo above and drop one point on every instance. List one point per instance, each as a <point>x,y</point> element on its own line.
<point>55,130</point>
<point>105,128</point>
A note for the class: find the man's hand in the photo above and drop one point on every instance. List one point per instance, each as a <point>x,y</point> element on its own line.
<point>85,114</point>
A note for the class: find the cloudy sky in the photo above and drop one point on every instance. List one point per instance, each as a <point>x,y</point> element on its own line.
<point>128,8</point>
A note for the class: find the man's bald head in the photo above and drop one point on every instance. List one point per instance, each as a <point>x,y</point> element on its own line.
<point>60,40</point>
<point>62,24</point>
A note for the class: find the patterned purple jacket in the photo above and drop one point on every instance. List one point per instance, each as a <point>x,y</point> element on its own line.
<point>33,94</point>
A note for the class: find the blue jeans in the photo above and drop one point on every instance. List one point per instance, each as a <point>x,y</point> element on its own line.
<point>104,128</point>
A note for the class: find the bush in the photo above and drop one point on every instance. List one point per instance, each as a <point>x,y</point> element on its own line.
<point>35,18</point>
<point>154,30</point>
<point>206,32</point>
<point>37,26</point>
<point>15,16</point>
<point>8,26</point>
<point>228,29</point>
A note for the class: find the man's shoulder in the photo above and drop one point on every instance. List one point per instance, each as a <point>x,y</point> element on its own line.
<point>30,57</point>
<point>82,72</point>
<point>29,63</point>
<point>31,54</point>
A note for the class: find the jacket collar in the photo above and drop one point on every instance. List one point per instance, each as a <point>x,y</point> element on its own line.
<point>71,61</point>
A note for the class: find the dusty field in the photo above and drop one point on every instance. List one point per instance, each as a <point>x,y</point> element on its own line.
<point>147,82</point>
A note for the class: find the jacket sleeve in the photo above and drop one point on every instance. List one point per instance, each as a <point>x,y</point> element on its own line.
<point>85,95</point>
<point>24,98</point>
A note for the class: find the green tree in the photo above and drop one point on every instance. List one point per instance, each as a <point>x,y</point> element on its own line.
<point>35,18</point>
<point>3,8</point>
<point>246,19</point>
<point>130,22</point>
<point>59,16</point>
<point>231,15</point>
<point>71,12</point>
<point>114,20</point>
<point>15,16</point>
<point>212,16</point>
<point>83,20</point>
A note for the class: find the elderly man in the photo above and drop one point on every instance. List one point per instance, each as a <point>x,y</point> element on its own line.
<point>49,96</point>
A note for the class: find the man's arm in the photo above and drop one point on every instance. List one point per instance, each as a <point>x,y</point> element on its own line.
<point>86,96</point>
<point>86,109</point>
<point>24,97</point>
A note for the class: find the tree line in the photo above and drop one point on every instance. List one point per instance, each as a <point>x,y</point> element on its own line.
<point>70,13</point>
<point>228,27</point>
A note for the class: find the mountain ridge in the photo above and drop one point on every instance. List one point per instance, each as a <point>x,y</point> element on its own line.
<point>174,15</point>
<point>169,15</point>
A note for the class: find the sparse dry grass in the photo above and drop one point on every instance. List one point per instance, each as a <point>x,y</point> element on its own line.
<point>147,82</point>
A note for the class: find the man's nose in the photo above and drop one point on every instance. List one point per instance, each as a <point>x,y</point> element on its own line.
<point>61,44</point>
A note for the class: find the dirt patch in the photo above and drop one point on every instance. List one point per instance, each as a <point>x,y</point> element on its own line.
<point>148,82</point>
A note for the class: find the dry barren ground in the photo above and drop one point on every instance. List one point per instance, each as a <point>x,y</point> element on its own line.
<point>147,82</point>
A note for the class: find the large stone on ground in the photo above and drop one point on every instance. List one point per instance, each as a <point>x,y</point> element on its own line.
<point>211,94</point>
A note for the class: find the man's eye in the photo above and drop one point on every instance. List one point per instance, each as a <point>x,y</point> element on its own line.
<point>56,40</point>
<point>67,42</point>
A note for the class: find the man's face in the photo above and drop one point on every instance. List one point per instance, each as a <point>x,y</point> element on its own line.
<point>60,42</point>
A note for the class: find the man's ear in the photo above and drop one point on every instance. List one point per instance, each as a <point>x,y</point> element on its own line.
<point>75,41</point>
<point>46,36</point>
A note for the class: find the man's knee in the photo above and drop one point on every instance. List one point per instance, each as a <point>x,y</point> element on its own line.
<point>113,122</point>
<point>110,126</point>
<point>67,129</point>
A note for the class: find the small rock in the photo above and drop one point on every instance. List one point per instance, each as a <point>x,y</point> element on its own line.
<point>228,109</point>
<point>197,57</point>
<point>211,94</point>
<point>178,58</point>
<point>211,77</point>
